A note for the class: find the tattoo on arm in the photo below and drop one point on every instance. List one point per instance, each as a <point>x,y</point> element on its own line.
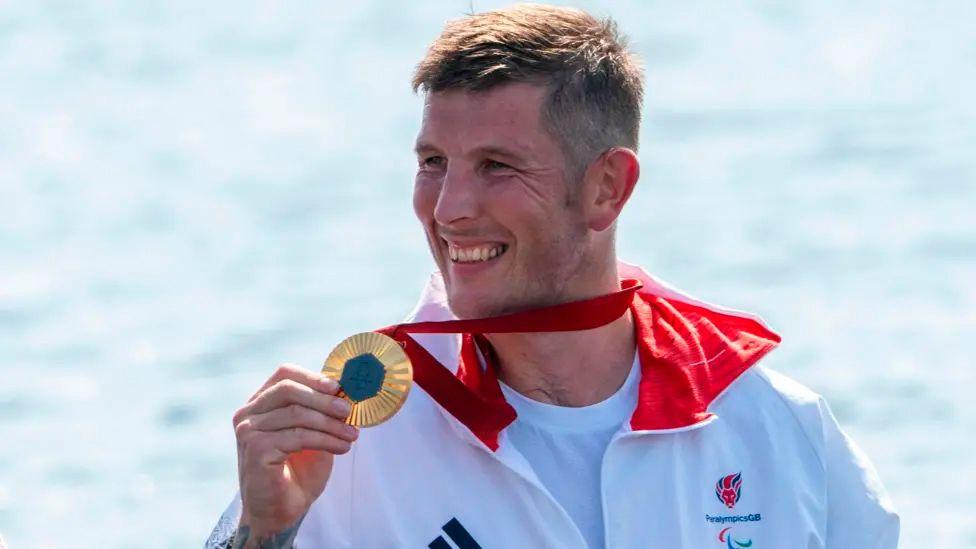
<point>222,536</point>
<point>284,539</point>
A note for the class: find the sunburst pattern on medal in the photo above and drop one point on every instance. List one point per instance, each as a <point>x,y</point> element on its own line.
<point>395,385</point>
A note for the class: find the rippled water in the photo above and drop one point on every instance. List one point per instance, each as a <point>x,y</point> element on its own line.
<point>190,195</point>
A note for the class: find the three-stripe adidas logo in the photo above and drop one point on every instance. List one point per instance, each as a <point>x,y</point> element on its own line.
<point>458,534</point>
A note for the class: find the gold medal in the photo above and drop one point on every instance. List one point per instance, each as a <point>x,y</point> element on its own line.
<point>374,375</point>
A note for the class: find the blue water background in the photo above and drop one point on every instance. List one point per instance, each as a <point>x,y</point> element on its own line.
<point>192,193</point>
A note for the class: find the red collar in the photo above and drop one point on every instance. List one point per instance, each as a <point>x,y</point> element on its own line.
<point>688,353</point>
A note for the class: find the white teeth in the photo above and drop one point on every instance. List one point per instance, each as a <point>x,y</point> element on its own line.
<point>472,255</point>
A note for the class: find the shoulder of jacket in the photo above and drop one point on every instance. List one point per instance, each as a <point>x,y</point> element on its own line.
<point>788,401</point>
<point>790,391</point>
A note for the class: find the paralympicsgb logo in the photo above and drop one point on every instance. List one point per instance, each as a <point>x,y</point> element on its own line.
<point>728,489</point>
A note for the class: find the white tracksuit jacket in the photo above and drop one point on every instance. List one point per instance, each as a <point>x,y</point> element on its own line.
<point>749,459</point>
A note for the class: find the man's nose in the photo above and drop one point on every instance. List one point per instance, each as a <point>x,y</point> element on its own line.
<point>459,196</point>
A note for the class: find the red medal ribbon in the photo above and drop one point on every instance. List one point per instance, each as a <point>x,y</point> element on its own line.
<point>473,395</point>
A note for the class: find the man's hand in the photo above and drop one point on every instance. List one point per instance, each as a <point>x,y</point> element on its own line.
<point>287,436</point>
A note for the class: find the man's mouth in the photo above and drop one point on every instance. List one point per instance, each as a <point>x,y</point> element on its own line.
<point>475,254</point>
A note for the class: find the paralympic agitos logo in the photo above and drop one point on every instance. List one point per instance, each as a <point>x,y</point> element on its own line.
<point>725,536</point>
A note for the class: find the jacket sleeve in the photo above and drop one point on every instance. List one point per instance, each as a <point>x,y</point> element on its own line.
<point>222,536</point>
<point>859,512</point>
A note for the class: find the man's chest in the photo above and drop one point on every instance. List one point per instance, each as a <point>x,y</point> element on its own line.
<point>709,487</point>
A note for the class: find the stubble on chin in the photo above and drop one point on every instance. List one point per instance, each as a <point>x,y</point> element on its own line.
<point>485,306</point>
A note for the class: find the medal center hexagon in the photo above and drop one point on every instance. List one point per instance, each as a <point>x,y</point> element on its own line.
<point>362,377</point>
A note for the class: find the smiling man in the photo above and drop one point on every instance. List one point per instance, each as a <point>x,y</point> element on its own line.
<point>582,402</point>
<point>522,236</point>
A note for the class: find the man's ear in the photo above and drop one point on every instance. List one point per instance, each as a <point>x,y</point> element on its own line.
<point>607,185</point>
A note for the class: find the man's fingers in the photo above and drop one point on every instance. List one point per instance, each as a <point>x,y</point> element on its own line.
<point>294,372</point>
<point>296,415</point>
<point>287,392</point>
<point>273,447</point>
<point>294,410</point>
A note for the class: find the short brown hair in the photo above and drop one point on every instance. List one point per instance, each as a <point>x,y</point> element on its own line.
<point>595,84</point>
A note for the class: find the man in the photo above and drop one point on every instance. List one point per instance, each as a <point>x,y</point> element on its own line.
<point>653,426</point>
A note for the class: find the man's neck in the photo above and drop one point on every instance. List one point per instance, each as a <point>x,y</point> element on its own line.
<point>567,368</point>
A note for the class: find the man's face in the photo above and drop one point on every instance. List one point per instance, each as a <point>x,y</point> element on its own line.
<point>491,193</point>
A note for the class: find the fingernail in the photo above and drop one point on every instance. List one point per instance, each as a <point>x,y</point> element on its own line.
<point>352,431</point>
<point>341,406</point>
<point>330,384</point>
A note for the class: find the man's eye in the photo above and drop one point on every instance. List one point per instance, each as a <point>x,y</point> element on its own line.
<point>432,161</point>
<point>495,165</point>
